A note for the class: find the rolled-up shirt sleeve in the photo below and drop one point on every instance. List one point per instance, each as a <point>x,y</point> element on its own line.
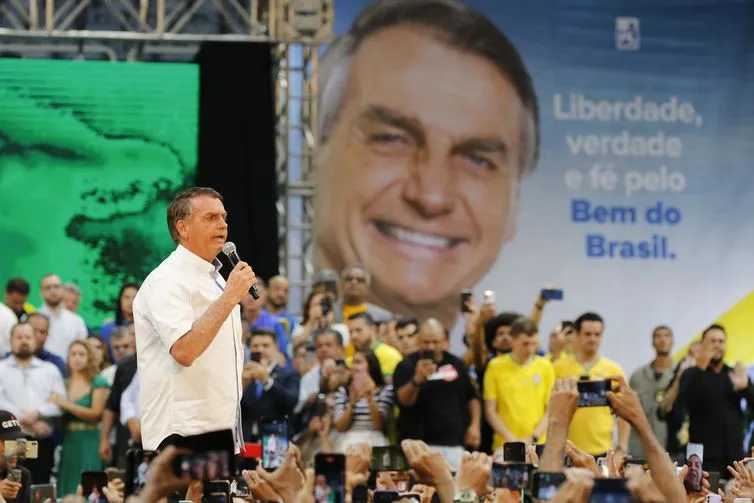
<point>170,311</point>
<point>129,402</point>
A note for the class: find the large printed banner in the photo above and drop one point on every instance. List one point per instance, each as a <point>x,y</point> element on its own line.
<point>625,175</point>
<point>91,153</point>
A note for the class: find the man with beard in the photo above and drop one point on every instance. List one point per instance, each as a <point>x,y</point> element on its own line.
<point>277,301</point>
<point>65,326</point>
<point>25,388</point>
<point>650,383</point>
<point>711,392</point>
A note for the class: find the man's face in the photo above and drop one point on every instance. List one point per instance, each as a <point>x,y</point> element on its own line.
<point>71,300</point>
<point>714,340</point>
<point>432,339</point>
<point>502,340</point>
<point>302,360</point>
<point>205,230</point>
<point>251,307</point>
<point>123,347</point>
<point>589,337</point>
<point>362,334</point>
<point>327,347</point>
<point>52,290</point>
<point>41,329</point>
<point>524,346</point>
<point>407,342</point>
<point>15,301</point>
<point>22,342</point>
<point>662,341</point>
<point>278,292</point>
<point>419,179</point>
<point>355,284</point>
<point>263,344</point>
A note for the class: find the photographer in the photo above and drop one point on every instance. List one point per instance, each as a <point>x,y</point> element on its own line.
<point>14,480</point>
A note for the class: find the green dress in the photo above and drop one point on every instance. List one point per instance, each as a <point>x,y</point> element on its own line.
<point>80,445</point>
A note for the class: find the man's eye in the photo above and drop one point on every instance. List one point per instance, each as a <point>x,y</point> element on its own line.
<point>388,138</point>
<point>480,161</point>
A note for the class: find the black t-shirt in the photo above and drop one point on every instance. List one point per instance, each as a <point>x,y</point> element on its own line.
<point>440,415</point>
<point>124,374</point>
<point>23,493</point>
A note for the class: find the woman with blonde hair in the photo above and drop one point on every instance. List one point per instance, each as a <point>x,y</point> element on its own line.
<point>83,406</point>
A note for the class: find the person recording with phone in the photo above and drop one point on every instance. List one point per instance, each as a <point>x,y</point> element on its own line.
<point>711,392</point>
<point>270,389</point>
<point>15,480</point>
<point>188,330</point>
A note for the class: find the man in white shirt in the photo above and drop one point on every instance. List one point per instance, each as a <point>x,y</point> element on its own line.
<point>188,329</point>
<point>65,326</point>
<point>7,320</point>
<point>26,384</point>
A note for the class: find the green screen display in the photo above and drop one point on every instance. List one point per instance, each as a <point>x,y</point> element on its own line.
<point>91,153</point>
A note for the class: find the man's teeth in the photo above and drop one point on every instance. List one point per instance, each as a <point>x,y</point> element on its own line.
<point>418,238</point>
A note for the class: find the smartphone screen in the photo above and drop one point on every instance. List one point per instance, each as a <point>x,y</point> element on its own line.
<point>610,491</point>
<point>137,469</point>
<point>256,356</point>
<point>330,481</point>
<point>510,476</point>
<point>209,465</point>
<point>514,452</point>
<point>466,294</point>
<point>385,496</point>
<point>42,493</point>
<point>694,460</point>
<point>389,459</point>
<point>714,481</point>
<point>426,354</point>
<point>551,294</point>
<point>274,444</point>
<point>215,498</point>
<point>92,484</point>
<point>592,393</point>
<point>546,484</point>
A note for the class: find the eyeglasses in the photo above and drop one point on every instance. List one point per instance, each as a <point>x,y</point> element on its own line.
<point>357,279</point>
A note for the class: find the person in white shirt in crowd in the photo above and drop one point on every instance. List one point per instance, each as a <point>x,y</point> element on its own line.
<point>129,410</point>
<point>65,326</point>
<point>72,297</point>
<point>328,344</point>
<point>26,385</point>
<point>188,330</point>
<point>7,320</point>
<point>123,345</point>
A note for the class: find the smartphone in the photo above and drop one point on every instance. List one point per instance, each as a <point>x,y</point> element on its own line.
<point>466,295</point>
<point>592,393</point>
<point>274,444</point>
<point>22,449</point>
<point>92,484</point>
<point>385,496</point>
<point>215,498</point>
<point>514,452</point>
<point>510,475</point>
<point>488,297</point>
<point>42,493</point>
<point>256,356</point>
<point>426,354</point>
<point>551,294</point>
<point>330,481</point>
<point>539,449</point>
<point>636,462</point>
<point>360,494</point>
<point>239,487</point>
<point>610,491</point>
<point>694,461</point>
<point>714,481</point>
<point>14,475</point>
<point>545,484</point>
<point>602,467</point>
<point>208,465</point>
<point>340,362</point>
<point>326,305</point>
<point>137,469</point>
<point>713,498</point>
<point>389,459</point>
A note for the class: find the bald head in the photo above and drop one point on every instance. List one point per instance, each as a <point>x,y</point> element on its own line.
<point>277,293</point>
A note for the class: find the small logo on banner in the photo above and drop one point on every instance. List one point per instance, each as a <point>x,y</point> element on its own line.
<point>447,373</point>
<point>627,35</point>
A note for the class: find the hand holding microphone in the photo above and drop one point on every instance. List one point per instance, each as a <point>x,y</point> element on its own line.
<point>242,278</point>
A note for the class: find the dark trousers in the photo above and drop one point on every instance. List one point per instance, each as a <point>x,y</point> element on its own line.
<point>41,468</point>
<point>213,441</point>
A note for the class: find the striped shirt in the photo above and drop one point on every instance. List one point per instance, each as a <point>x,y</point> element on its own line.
<point>361,420</point>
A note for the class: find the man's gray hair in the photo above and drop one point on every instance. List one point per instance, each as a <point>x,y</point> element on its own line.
<point>73,288</point>
<point>356,267</point>
<point>450,21</point>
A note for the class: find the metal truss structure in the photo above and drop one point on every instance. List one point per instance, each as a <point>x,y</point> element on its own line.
<point>171,30</point>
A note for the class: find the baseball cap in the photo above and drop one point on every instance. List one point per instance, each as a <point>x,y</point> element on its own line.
<point>10,428</point>
<point>325,276</point>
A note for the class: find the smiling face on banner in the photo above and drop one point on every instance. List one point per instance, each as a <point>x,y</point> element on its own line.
<point>419,178</point>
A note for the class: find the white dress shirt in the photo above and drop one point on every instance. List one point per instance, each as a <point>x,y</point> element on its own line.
<point>65,327</point>
<point>174,399</point>
<point>29,387</point>
<point>7,320</point>
<point>129,401</point>
<point>309,384</point>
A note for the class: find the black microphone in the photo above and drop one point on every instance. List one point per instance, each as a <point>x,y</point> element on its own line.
<point>229,249</point>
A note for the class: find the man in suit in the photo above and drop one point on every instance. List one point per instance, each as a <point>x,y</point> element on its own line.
<point>270,390</point>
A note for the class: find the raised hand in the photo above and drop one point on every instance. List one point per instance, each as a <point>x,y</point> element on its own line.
<point>581,459</point>
<point>739,377</point>
<point>287,480</point>
<point>474,473</point>
<point>241,278</point>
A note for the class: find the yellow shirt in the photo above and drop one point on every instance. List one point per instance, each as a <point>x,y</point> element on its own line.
<point>592,427</point>
<point>521,392</point>
<point>347,312</point>
<point>388,356</point>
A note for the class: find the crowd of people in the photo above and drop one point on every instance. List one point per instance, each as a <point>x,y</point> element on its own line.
<point>348,374</point>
